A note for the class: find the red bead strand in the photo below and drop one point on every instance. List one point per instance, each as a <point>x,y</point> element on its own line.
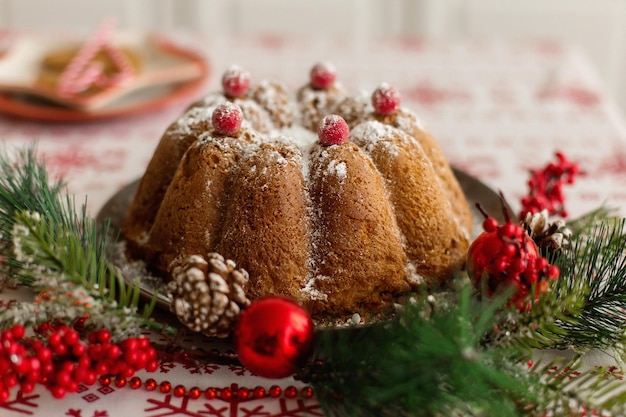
<point>230,393</point>
<point>179,391</point>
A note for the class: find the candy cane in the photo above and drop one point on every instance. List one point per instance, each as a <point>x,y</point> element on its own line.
<point>89,76</point>
<point>122,63</point>
<point>79,74</point>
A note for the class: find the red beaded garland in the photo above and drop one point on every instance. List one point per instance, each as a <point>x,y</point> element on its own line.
<point>135,382</point>
<point>210,393</point>
<point>226,394</point>
<point>179,391</point>
<point>165,387</point>
<point>243,393</point>
<point>291,392</point>
<point>194,393</point>
<point>306,392</point>
<point>150,384</point>
<point>275,391</point>
<point>25,362</point>
<point>120,381</point>
<point>259,392</point>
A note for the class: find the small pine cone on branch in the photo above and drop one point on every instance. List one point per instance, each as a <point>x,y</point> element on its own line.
<point>554,236</point>
<point>208,294</point>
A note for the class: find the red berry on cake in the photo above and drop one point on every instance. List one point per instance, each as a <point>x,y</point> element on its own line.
<point>333,130</point>
<point>385,99</point>
<point>323,75</point>
<point>235,82</point>
<point>227,118</point>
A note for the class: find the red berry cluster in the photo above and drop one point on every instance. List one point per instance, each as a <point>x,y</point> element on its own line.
<point>503,257</point>
<point>546,187</point>
<point>61,361</point>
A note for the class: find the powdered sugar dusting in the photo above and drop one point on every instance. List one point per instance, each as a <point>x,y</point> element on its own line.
<point>337,168</point>
<point>407,121</point>
<point>371,131</point>
<point>303,139</point>
<point>311,293</point>
<point>413,277</point>
<point>191,117</point>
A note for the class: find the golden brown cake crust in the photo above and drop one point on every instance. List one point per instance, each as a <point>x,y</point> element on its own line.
<point>410,124</point>
<point>356,239</point>
<point>191,214</point>
<point>159,173</point>
<point>433,241</point>
<point>273,97</point>
<point>265,224</point>
<point>314,103</point>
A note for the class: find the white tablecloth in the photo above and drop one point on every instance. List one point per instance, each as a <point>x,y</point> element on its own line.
<point>497,108</point>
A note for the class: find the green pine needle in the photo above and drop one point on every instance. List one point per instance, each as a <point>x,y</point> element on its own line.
<point>55,248</point>
<point>25,186</point>
<point>566,391</point>
<point>422,366</point>
<point>586,307</point>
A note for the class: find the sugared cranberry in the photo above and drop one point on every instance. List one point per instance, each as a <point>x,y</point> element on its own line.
<point>385,99</point>
<point>227,118</point>
<point>235,82</point>
<point>333,130</point>
<point>323,75</point>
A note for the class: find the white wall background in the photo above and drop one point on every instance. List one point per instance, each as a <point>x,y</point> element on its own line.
<point>598,26</point>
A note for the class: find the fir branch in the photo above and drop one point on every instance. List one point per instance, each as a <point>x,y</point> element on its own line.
<point>422,366</point>
<point>566,391</point>
<point>583,224</point>
<point>439,366</point>
<point>585,308</point>
<point>596,267</point>
<point>61,253</point>
<point>24,185</point>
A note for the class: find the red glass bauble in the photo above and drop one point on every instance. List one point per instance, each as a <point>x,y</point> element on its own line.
<point>274,337</point>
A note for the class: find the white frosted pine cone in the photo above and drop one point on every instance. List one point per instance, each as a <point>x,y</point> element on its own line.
<point>555,235</point>
<point>208,293</point>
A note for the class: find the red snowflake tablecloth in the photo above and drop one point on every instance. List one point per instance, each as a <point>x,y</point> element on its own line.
<point>497,108</point>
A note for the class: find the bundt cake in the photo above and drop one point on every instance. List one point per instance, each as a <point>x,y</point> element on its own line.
<point>340,202</point>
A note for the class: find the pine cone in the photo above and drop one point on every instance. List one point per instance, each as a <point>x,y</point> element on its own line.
<point>555,235</point>
<point>208,294</point>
